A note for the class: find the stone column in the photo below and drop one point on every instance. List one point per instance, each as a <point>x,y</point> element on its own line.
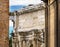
<point>19,40</point>
<point>20,43</point>
<point>38,44</point>
<point>13,44</point>
<point>27,43</point>
<point>16,44</point>
<point>24,43</point>
<point>34,43</point>
<point>51,24</point>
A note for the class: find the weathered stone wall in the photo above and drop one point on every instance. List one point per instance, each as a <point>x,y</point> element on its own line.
<point>33,20</point>
<point>4,27</point>
<point>27,21</point>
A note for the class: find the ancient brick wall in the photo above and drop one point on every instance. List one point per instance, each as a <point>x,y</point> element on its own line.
<point>4,21</point>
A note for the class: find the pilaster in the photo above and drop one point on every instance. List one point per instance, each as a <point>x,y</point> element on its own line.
<point>52,23</point>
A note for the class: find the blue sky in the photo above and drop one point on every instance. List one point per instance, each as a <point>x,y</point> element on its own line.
<point>10,27</point>
<point>16,7</point>
<point>17,4</point>
<point>10,30</point>
<point>23,2</point>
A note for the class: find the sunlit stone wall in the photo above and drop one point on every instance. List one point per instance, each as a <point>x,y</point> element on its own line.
<point>33,20</point>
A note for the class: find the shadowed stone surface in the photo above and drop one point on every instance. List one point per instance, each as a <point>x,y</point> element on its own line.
<point>58,23</point>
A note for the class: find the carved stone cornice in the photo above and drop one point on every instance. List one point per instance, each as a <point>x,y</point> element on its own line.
<point>28,9</point>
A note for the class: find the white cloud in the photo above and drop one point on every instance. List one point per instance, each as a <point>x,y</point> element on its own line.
<point>10,23</point>
<point>23,2</point>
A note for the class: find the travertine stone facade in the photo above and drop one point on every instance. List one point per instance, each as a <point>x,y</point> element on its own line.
<point>52,23</point>
<point>31,38</point>
<point>29,26</point>
<point>30,17</point>
<point>51,15</point>
<point>33,20</point>
<point>4,21</point>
